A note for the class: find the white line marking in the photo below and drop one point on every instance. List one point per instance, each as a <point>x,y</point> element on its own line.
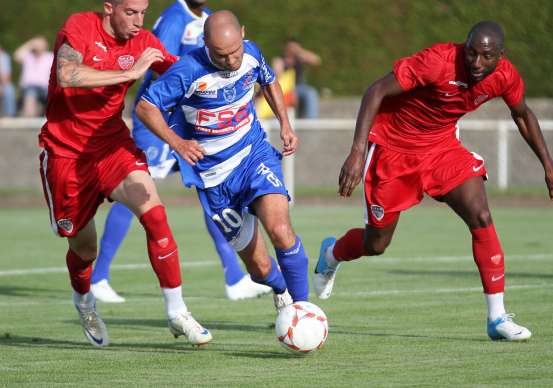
<point>379,260</point>
<point>438,290</point>
<point>39,271</point>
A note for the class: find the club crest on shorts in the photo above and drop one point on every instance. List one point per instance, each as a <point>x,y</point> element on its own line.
<point>65,224</point>
<point>125,61</point>
<point>378,212</point>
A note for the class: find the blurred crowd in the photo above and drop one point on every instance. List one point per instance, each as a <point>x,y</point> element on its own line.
<point>28,99</point>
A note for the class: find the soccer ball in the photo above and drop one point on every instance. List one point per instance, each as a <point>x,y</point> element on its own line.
<point>301,327</point>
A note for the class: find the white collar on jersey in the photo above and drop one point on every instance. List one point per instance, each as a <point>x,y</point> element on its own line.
<point>187,9</point>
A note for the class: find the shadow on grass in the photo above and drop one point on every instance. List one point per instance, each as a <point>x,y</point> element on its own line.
<point>160,323</point>
<point>514,275</point>
<point>31,342</point>
<point>11,290</point>
<point>170,347</point>
<point>370,333</point>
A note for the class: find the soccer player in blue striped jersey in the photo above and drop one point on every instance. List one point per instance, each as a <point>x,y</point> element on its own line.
<point>180,29</point>
<point>223,150</point>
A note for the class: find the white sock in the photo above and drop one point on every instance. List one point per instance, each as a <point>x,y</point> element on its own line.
<point>83,300</point>
<point>496,308</point>
<point>174,304</point>
<point>330,259</point>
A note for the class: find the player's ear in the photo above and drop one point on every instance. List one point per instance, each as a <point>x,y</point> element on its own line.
<point>108,8</point>
<point>243,31</point>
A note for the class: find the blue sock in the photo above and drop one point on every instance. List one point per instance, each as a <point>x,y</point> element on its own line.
<point>293,264</point>
<point>117,225</point>
<point>229,259</point>
<point>274,279</point>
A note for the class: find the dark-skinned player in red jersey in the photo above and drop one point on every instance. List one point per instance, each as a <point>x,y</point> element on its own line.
<point>89,155</point>
<point>405,145</point>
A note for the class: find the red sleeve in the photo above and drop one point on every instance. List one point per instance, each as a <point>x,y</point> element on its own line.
<point>75,31</point>
<point>514,90</point>
<point>161,67</point>
<point>420,69</point>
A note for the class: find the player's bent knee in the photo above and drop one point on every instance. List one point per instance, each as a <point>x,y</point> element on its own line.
<point>483,218</point>
<point>375,248</point>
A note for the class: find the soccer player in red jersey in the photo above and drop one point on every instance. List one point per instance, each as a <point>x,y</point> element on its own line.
<point>405,145</point>
<point>89,155</point>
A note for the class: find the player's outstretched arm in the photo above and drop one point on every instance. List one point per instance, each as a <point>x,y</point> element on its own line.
<point>151,116</point>
<point>529,128</point>
<point>275,99</point>
<point>350,174</point>
<point>71,72</point>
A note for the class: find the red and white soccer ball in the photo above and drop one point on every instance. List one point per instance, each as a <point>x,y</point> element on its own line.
<point>301,327</point>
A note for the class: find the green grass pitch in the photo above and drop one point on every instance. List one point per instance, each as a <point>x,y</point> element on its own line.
<point>412,317</point>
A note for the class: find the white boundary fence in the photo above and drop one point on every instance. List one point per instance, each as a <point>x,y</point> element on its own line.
<point>501,127</point>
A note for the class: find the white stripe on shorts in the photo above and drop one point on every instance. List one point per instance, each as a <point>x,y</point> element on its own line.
<point>367,163</point>
<point>44,168</point>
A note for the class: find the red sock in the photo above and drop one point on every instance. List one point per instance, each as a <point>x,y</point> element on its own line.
<point>162,248</point>
<point>350,246</point>
<point>488,256</point>
<point>80,272</point>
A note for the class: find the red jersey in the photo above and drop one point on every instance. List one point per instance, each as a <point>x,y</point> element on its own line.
<point>437,93</point>
<point>83,122</point>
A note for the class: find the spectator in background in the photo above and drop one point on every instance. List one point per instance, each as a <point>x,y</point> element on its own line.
<point>7,91</point>
<point>36,61</point>
<point>295,57</point>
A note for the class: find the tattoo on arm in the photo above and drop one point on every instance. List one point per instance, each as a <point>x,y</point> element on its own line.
<point>69,59</point>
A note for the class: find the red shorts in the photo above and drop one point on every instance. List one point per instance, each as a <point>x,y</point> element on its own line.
<point>74,188</point>
<point>396,181</point>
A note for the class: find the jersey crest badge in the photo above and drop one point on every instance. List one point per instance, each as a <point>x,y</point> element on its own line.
<point>229,92</point>
<point>125,62</point>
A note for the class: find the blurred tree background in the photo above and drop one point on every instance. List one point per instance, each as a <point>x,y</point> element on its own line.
<point>358,40</point>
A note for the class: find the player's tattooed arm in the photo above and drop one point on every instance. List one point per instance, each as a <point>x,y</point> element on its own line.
<point>68,62</point>
<point>73,73</point>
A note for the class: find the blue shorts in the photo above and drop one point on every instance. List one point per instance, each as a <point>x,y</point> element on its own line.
<point>260,173</point>
<point>161,161</point>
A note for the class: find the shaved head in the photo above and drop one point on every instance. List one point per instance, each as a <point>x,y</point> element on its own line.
<point>223,36</point>
<point>488,32</point>
<point>221,24</point>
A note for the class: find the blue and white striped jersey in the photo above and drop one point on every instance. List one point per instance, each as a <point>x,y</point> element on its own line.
<point>180,31</point>
<point>214,107</point>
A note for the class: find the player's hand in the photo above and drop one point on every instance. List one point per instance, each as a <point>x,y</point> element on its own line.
<point>190,150</point>
<point>350,174</point>
<point>549,182</point>
<point>289,140</point>
<point>141,66</point>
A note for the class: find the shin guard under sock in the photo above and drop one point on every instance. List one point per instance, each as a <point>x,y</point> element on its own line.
<point>488,256</point>
<point>162,248</point>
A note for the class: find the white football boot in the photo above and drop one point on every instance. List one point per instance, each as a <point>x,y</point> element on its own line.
<point>185,324</point>
<point>324,274</point>
<point>104,293</point>
<point>282,300</point>
<point>503,328</point>
<point>246,288</point>
<point>93,326</point>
